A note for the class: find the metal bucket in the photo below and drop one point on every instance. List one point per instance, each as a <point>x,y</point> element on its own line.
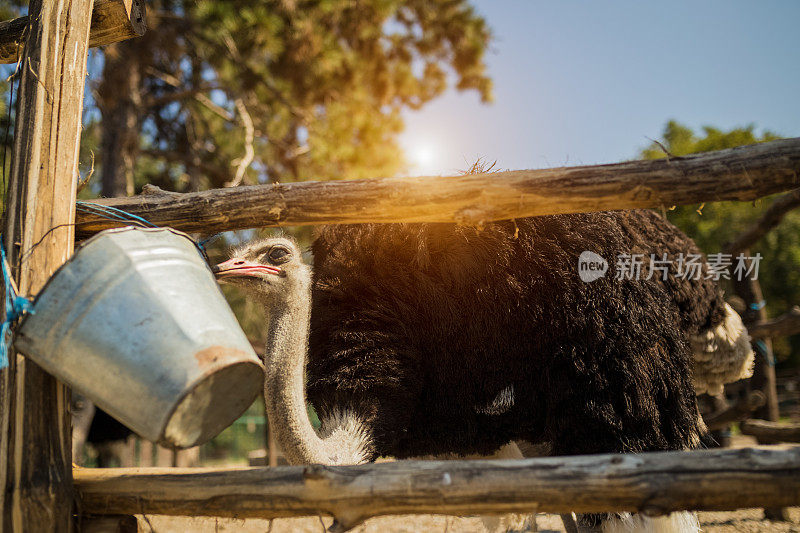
<point>136,322</point>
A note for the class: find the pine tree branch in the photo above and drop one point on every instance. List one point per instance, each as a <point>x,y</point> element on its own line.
<point>199,96</point>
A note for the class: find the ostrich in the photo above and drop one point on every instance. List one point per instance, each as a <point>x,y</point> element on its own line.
<point>92,425</point>
<point>434,339</point>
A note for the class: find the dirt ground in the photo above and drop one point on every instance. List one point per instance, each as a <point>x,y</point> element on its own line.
<point>743,520</point>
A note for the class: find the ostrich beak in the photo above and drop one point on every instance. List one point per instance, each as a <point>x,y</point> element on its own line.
<point>242,268</point>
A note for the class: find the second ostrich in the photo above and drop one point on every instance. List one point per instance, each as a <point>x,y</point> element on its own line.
<point>431,339</point>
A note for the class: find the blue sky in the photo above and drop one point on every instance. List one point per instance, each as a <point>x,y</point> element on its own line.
<point>588,82</point>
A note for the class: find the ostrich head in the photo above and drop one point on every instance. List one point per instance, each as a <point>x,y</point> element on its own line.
<point>272,270</point>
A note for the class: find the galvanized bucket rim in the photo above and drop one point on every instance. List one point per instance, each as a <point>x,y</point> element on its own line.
<point>96,237</point>
<point>191,389</point>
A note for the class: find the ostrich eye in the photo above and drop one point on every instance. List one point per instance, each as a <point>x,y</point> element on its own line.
<point>278,255</point>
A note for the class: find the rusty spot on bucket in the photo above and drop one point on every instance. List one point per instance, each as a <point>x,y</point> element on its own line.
<point>212,355</point>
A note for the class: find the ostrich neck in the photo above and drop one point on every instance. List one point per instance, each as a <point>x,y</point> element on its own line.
<point>284,389</point>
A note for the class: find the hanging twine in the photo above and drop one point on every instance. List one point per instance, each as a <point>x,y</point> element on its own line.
<point>16,307</point>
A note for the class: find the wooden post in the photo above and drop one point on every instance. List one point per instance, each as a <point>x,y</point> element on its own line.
<point>736,412</point>
<point>272,449</point>
<point>763,379</point>
<point>146,452</point>
<point>35,435</point>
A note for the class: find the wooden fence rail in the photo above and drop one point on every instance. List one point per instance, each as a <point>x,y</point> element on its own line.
<point>736,412</point>
<point>652,483</point>
<point>771,431</point>
<point>784,325</point>
<point>743,173</point>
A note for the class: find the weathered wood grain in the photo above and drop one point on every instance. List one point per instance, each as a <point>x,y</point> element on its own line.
<point>744,173</point>
<point>35,434</point>
<point>653,483</point>
<point>112,21</point>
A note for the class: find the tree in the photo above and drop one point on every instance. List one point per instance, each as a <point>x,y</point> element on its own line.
<point>225,93</point>
<point>7,11</point>
<point>715,225</point>
<point>681,140</point>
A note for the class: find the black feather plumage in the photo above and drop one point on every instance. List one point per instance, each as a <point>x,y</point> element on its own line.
<point>423,325</point>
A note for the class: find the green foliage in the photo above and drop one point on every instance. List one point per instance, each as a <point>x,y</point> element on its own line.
<point>6,128</point>
<point>250,315</point>
<point>246,434</point>
<point>715,224</point>
<point>323,82</point>
<point>681,140</point>
<point>8,11</point>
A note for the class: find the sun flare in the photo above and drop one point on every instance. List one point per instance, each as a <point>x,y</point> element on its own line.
<point>424,158</point>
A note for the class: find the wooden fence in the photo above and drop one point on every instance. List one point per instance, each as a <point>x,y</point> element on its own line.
<point>651,483</point>
<point>34,420</point>
<point>744,173</point>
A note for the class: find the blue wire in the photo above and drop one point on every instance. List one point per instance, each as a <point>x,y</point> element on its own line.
<point>15,305</point>
<point>113,212</point>
<point>763,351</point>
<point>202,244</point>
<point>106,215</point>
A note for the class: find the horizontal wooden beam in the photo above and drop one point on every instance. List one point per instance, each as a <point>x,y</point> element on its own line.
<point>744,173</point>
<point>652,483</point>
<point>783,326</point>
<point>112,21</point>
<point>739,411</point>
<point>771,431</point>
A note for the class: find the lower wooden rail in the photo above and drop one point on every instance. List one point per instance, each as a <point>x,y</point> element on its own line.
<point>652,483</point>
<point>773,431</point>
<point>739,411</point>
